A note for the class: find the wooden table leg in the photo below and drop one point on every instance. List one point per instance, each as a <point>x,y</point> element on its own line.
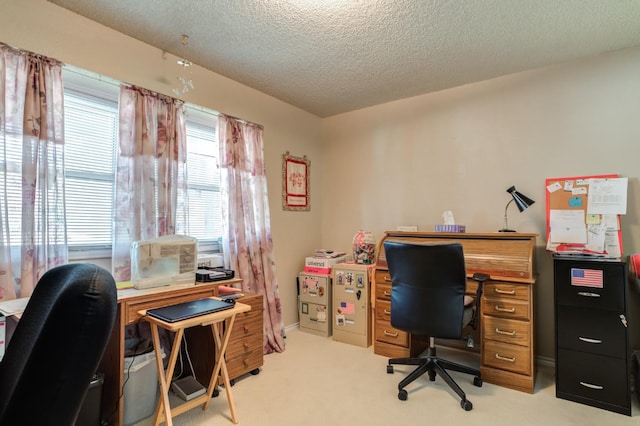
<point>221,366</point>
<point>163,411</point>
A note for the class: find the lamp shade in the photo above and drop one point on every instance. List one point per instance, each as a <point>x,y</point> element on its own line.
<point>522,201</point>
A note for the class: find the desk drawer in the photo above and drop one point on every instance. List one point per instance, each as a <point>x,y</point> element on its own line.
<point>388,334</point>
<point>494,289</point>
<point>505,308</point>
<point>507,330</point>
<point>240,365</point>
<point>383,311</point>
<point>506,357</point>
<point>383,289</point>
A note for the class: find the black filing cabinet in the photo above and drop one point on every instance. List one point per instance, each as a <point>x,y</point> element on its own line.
<point>592,338</point>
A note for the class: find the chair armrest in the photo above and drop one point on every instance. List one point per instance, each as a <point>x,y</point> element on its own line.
<point>480,278</point>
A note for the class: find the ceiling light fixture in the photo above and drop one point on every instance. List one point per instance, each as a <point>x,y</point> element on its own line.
<point>186,82</point>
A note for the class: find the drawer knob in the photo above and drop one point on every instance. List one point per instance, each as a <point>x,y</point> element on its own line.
<point>501,309</point>
<point>499,291</point>
<point>505,332</point>
<point>506,358</point>
<point>588,340</point>
<point>387,312</point>
<point>591,386</point>
<point>386,293</point>
<point>246,328</point>
<point>386,333</point>
<point>387,279</point>
<point>588,294</point>
<point>246,345</point>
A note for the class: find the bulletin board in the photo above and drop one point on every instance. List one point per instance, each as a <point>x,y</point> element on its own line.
<point>570,194</point>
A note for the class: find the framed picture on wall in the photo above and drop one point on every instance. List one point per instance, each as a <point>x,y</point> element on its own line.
<point>295,183</point>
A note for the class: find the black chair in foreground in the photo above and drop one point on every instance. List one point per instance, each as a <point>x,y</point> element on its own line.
<point>57,346</point>
<point>428,284</point>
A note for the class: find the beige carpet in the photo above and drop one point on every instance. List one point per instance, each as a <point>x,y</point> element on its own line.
<point>317,381</point>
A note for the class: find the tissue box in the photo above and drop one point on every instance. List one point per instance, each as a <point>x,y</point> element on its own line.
<point>450,228</point>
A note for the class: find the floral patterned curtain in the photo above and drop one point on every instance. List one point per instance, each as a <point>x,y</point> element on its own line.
<point>151,175</point>
<point>247,242</point>
<point>32,167</point>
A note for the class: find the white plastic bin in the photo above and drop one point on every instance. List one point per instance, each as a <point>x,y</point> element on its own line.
<point>141,388</point>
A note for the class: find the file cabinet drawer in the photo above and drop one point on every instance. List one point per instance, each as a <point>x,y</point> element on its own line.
<point>593,331</point>
<point>609,296</point>
<point>585,376</point>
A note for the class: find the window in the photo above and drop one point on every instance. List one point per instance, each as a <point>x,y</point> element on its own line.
<point>203,177</point>
<point>91,135</point>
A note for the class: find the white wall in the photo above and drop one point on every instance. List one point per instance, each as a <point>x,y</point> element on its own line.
<point>405,162</point>
<point>42,27</point>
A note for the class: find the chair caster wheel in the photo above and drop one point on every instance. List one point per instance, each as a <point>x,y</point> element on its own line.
<point>232,382</point>
<point>477,381</point>
<point>389,369</point>
<point>255,372</point>
<point>215,394</point>
<point>402,395</point>
<point>466,405</point>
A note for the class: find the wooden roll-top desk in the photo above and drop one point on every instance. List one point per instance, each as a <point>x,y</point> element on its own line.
<point>506,328</point>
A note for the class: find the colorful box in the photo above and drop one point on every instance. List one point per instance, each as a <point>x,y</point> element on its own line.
<point>450,228</point>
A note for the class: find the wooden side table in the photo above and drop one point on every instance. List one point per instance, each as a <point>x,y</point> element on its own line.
<point>164,412</point>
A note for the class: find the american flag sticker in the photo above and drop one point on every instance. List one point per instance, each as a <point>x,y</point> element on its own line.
<point>587,277</point>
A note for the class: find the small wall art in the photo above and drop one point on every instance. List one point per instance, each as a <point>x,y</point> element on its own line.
<point>295,183</point>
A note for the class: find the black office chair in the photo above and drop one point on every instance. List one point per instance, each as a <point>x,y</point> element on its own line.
<point>428,284</point>
<point>57,345</point>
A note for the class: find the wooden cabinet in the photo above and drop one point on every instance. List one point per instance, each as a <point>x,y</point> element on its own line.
<point>592,349</point>
<point>245,348</point>
<point>506,328</point>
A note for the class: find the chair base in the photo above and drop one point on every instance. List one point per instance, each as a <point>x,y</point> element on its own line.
<point>433,365</point>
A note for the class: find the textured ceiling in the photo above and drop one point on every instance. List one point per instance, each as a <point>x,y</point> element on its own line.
<point>332,56</point>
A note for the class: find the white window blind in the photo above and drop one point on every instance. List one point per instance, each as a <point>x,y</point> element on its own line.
<point>91,132</point>
<point>205,215</point>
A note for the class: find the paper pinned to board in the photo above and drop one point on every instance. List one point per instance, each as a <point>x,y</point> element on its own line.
<point>607,196</point>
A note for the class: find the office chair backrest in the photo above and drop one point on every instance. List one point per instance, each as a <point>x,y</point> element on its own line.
<point>428,286</point>
<point>57,346</point>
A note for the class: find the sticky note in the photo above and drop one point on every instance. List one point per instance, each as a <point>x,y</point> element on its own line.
<point>575,202</point>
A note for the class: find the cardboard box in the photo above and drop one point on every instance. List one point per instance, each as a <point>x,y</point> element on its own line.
<point>323,262</point>
<point>316,270</point>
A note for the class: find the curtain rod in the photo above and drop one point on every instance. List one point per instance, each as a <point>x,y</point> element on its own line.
<point>96,76</point>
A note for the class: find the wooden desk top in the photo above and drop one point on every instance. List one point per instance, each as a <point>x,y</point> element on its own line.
<point>132,293</point>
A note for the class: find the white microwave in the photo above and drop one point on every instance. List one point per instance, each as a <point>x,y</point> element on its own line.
<point>162,261</point>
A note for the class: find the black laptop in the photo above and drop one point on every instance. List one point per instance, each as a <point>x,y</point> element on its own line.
<point>195,308</point>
